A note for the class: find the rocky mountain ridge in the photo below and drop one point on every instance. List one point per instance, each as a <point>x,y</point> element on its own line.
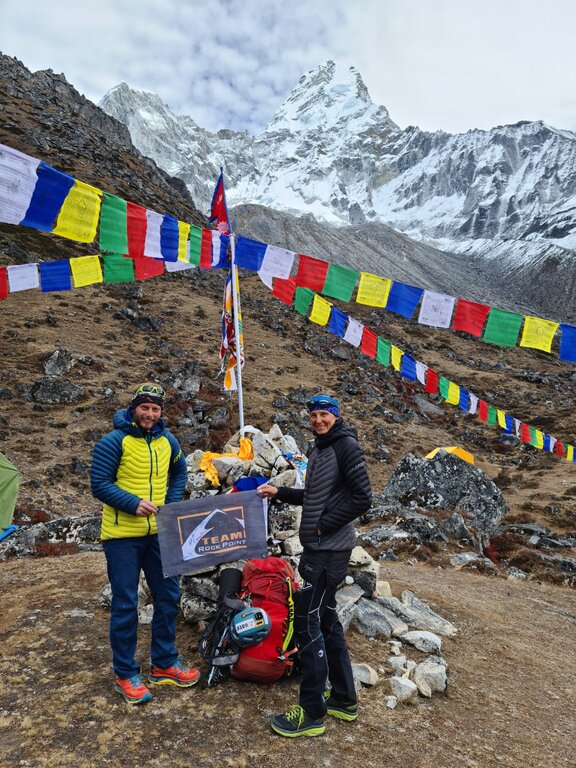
<point>331,152</point>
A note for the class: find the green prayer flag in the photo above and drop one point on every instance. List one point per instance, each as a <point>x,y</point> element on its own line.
<point>443,387</point>
<point>383,351</point>
<point>502,328</point>
<point>118,269</point>
<point>113,224</point>
<point>533,438</point>
<point>492,415</point>
<point>340,282</point>
<point>302,300</point>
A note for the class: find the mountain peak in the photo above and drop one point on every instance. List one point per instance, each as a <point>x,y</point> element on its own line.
<point>328,95</point>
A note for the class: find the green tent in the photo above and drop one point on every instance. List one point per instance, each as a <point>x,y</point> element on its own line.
<point>9,484</point>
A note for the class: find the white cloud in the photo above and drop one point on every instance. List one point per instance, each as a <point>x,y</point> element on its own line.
<point>439,64</point>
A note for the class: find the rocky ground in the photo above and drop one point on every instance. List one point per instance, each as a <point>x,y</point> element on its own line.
<point>510,698</point>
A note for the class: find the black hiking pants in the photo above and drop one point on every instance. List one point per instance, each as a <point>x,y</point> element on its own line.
<point>322,650</point>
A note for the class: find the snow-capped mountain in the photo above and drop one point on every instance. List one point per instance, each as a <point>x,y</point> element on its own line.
<point>330,152</point>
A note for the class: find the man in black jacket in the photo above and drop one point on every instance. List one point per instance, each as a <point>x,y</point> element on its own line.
<point>336,492</point>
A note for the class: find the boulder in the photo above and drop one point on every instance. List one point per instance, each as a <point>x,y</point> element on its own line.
<point>447,482</point>
<point>58,363</point>
<point>430,676</point>
<point>364,570</point>
<point>56,391</point>
<point>423,641</point>
<point>403,689</point>
<point>418,614</point>
<point>364,674</point>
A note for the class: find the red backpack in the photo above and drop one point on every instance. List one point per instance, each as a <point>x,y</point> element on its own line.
<point>270,584</point>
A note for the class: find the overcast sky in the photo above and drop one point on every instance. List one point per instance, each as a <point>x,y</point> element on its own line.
<point>438,64</point>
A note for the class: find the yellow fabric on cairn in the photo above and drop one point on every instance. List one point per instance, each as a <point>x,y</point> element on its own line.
<point>245,453</point>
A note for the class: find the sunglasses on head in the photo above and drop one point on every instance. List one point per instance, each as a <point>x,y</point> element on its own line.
<point>321,402</point>
<point>150,389</point>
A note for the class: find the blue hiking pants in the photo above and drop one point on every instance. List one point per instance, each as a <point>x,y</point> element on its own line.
<point>125,559</point>
<point>322,651</point>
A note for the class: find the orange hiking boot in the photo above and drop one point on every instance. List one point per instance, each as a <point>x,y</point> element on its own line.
<point>133,689</point>
<point>177,674</point>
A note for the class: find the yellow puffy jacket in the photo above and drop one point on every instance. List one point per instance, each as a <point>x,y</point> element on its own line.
<point>129,465</point>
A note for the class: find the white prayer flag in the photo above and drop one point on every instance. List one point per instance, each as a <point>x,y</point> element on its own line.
<point>473,403</point>
<point>436,309</point>
<point>553,442</point>
<point>17,181</point>
<point>517,423</point>
<point>421,372</point>
<point>152,242</point>
<point>177,266</point>
<point>277,262</point>
<point>354,332</point>
<point>22,277</point>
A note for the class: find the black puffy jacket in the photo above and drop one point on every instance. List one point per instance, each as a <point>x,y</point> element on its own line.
<point>336,492</point>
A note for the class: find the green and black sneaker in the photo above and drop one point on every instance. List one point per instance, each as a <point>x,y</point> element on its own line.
<point>295,722</point>
<point>343,710</point>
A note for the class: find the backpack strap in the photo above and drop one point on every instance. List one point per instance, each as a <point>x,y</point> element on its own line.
<point>290,629</point>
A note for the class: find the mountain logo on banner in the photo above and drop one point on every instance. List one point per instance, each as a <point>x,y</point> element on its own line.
<point>198,534</point>
<point>212,532</point>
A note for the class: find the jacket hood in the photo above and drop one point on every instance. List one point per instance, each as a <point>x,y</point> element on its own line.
<point>339,430</point>
<point>124,419</point>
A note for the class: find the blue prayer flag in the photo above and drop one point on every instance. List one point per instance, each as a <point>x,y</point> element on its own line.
<point>169,238</point>
<point>509,423</point>
<point>403,299</point>
<point>546,445</point>
<point>249,254</point>
<point>49,194</point>
<point>408,367</point>
<point>337,322</point>
<point>568,343</point>
<point>55,276</point>
<point>464,401</point>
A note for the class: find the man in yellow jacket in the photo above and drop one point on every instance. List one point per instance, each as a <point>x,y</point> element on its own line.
<point>135,469</point>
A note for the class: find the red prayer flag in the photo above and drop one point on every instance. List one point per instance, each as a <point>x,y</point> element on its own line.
<point>470,317</point>
<point>145,268</point>
<point>206,249</point>
<point>369,342</point>
<point>136,230</point>
<point>483,410</point>
<point>432,379</point>
<point>525,435</point>
<point>311,273</point>
<point>559,449</point>
<point>3,283</point>
<point>284,289</point>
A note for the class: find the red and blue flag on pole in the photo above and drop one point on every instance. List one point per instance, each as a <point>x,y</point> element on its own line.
<point>232,343</point>
<point>218,209</point>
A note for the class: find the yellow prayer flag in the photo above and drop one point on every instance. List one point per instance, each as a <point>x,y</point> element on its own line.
<point>183,233</point>
<point>538,333</point>
<point>320,310</point>
<point>569,453</point>
<point>539,439</point>
<point>373,290</point>
<point>453,393</point>
<point>501,416</point>
<point>80,213</point>
<point>86,270</point>
<point>396,357</point>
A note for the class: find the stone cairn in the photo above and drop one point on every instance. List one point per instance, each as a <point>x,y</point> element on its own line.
<point>410,626</point>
